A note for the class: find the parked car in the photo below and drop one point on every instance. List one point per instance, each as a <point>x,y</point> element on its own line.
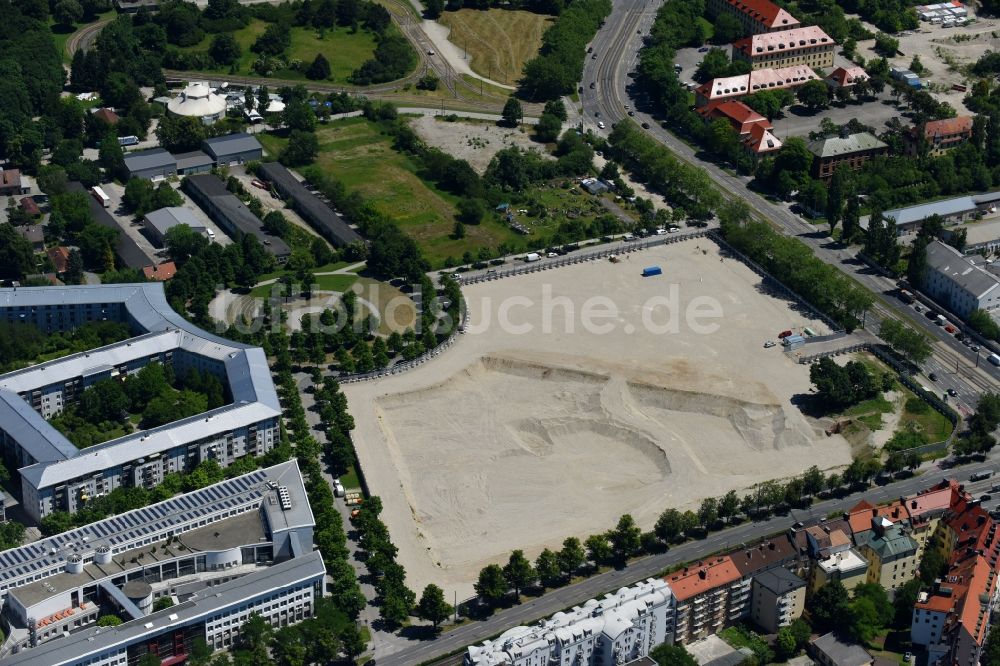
<point>645,126</point>
<point>631,113</point>
<point>953,393</point>
<point>600,124</point>
<point>932,377</point>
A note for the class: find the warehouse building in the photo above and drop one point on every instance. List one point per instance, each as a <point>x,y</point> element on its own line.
<point>193,162</point>
<point>313,210</point>
<point>226,210</point>
<point>159,222</point>
<point>54,474</point>
<point>233,149</point>
<point>152,164</point>
<point>127,251</point>
<point>240,546</point>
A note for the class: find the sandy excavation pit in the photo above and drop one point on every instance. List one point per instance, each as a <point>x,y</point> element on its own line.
<point>514,440</point>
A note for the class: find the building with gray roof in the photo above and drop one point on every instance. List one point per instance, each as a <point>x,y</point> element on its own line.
<point>312,209</point>
<point>127,251</point>
<point>778,598</point>
<point>233,149</point>
<point>214,552</point>
<point>852,150</point>
<point>957,283</point>
<point>226,210</point>
<point>193,162</point>
<point>152,164</point>
<point>159,222</point>
<point>829,650</point>
<point>951,211</point>
<point>55,475</point>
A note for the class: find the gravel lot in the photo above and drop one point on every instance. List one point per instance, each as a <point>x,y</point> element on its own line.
<point>475,142</point>
<point>557,431</point>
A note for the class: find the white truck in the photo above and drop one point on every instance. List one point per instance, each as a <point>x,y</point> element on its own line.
<point>532,256</point>
<point>942,320</point>
<point>101,196</point>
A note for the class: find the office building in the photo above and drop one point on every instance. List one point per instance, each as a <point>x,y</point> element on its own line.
<point>220,553</point>
<point>853,150</point>
<point>742,85</point>
<point>797,47</point>
<point>958,283</point>
<point>54,474</point>
<point>618,629</point>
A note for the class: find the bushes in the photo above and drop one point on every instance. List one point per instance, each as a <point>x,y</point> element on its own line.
<point>393,59</point>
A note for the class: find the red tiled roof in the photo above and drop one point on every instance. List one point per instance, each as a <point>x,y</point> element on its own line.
<point>60,258</point>
<point>29,206</point>
<point>761,140</point>
<point>10,177</point>
<point>847,76</point>
<point>946,127</point>
<point>107,115</point>
<point>163,272</point>
<point>706,576</point>
<point>765,11</point>
<point>756,81</point>
<point>861,518</point>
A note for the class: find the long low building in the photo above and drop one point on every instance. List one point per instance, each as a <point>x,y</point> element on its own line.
<point>127,250</point>
<point>314,211</point>
<point>731,88</point>
<point>54,474</point>
<point>951,211</point>
<point>226,210</point>
<point>240,546</point>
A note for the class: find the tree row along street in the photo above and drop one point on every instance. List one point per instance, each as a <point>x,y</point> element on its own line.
<point>616,47</point>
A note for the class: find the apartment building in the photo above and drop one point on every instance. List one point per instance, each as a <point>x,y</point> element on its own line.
<point>187,548</point>
<point>834,557</point>
<point>54,474</point>
<point>952,620</point>
<point>854,150</point>
<point>938,136</point>
<point>778,599</point>
<point>797,47</point>
<point>710,596</point>
<point>958,282</point>
<point>756,16</point>
<point>620,628</point>
<point>891,553</point>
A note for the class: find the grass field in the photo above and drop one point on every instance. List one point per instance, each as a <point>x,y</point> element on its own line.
<point>499,41</point>
<point>345,51</point>
<point>356,153</point>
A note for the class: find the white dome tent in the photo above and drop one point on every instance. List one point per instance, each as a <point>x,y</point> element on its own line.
<point>197,100</point>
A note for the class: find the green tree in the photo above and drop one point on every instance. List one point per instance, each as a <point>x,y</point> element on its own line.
<point>352,642</point>
<point>829,607</point>
<point>108,621</point>
<point>547,568</point>
<point>301,149</point>
<point>626,538</point>
<point>729,505</point>
<point>835,196</point>
<point>571,556</point>
<point>471,211</point>
<point>432,606</point>
<point>555,107</point>
<point>903,600</point>
<point>598,549</point>
<point>319,70</point>
<point>180,133</point>
<point>224,49</point>
<point>814,95</point>
<point>672,655</point>
<point>67,12</point>
<point>492,585</point>
<point>518,572</point>
<point>715,64</point>
<point>255,637</point>
<point>727,29</point>
<point>669,525</point>
<point>512,112</point>
<point>163,603</point>
<point>851,220</point>
<point>784,644</point>
<point>548,128</point>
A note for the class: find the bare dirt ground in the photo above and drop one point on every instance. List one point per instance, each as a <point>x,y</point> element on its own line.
<point>474,142</point>
<point>534,427</point>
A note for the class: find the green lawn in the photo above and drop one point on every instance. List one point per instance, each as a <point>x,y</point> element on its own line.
<point>350,479</point>
<point>930,422</point>
<point>335,282</point>
<point>355,152</point>
<point>343,49</point>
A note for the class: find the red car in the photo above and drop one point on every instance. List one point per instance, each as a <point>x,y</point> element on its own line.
<point>950,328</point>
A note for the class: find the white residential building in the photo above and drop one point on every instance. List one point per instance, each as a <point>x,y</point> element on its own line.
<point>622,627</point>
<point>958,283</point>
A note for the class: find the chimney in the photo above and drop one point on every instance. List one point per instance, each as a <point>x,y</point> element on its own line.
<point>703,574</point>
<point>770,545</point>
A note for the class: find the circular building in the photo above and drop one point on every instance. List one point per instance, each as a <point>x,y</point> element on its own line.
<point>197,100</point>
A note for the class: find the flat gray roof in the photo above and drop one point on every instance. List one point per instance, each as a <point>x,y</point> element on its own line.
<point>165,219</point>
<point>82,644</point>
<point>778,580</point>
<point>195,158</point>
<point>232,144</point>
<point>944,208</point>
<point>148,159</point>
<point>311,207</point>
<point>124,531</point>
<point>840,652</point>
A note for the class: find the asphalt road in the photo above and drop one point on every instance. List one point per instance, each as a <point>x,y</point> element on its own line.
<point>556,600</point>
<point>616,47</point>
